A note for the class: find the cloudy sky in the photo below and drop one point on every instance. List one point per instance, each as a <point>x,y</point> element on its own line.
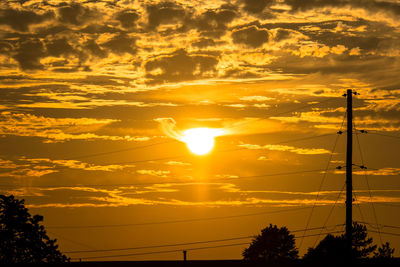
<point>95,94</point>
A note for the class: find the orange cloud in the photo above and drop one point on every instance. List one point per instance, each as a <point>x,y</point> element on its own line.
<point>158,173</point>
<point>57,129</point>
<point>297,150</point>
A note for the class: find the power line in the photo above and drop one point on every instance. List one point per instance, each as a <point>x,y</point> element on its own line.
<point>277,143</point>
<point>220,151</point>
<point>180,156</point>
<point>172,140</point>
<point>366,180</point>
<point>160,246</point>
<point>162,252</point>
<point>358,206</point>
<point>71,241</point>
<point>178,250</point>
<point>386,135</point>
<point>164,182</point>
<point>324,176</point>
<point>385,233</point>
<point>388,204</point>
<point>120,150</point>
<point>180,244</point>
<point>303,138</point>
<point>281,113</point>
<point>390,226</point>
<point>329,214</point>
<point>380,225</point>
<point>176,221</point>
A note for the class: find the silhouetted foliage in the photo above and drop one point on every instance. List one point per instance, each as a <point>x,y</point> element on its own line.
<point>333,248</point>
<point>273,244</point>
<point>384,252</point>
<point>362,247</point>
<point>22,238</point>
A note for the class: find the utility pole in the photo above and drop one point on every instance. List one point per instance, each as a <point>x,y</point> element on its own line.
<point>349,174</point>
<point>184,255</point>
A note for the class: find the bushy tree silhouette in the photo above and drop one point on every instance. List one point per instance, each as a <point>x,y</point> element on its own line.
<point>273,244</point>
<point>384,252</point>
<point>362,244</point>
<point>333,248</point>
<point>22,238</point>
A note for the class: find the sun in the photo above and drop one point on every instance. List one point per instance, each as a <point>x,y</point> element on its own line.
<point>200,141</point>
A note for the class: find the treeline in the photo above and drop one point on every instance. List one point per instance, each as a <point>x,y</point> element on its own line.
<point>277,246</point>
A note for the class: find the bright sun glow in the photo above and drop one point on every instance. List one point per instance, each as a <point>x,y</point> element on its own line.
<point>200,140</point>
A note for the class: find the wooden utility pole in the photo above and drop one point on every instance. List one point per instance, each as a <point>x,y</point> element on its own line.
<point>349,174</point>
<point>184,255</point>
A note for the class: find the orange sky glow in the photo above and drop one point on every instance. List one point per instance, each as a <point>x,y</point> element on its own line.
<point>97,98</point>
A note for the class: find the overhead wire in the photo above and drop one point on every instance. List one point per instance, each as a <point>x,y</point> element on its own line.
<point>390,226</point>
<point>178,250</point>
<point>184,156</point>
<point>329,214</point>
<point>358,205</point>
<point>160,252</point>
<point>71,241</point>
<point>381,134</point>
<point>166,182</point>
<point>388,204</point>
<point>120,150</point>
<point>219,151</point>
<point>385,233</point>
<point>323,177</point>
<point>380,226</point>
<point>160,246</point>
<point>178,244</point>
<point>172,140</point>
<point>367,182</point>
<point>175,221</point>
<point>281,113</point>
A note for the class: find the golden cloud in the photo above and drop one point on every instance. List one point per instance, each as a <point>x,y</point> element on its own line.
<point>297,150</point>
<point>158,173</point>
<point>56,129</point>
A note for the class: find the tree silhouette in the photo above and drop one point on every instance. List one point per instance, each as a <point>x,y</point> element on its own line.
<point>22,238</point>
<point>333,248</point>
<point>273,244</point>
<point>384,252</point>
<point>361,243</point>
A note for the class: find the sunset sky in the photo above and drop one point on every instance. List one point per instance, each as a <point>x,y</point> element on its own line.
<point>96,97</point>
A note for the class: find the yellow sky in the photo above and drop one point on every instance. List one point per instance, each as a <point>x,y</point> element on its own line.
<point>96,97</point>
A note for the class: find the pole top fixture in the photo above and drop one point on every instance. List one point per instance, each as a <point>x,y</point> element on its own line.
<point>350,91</point>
